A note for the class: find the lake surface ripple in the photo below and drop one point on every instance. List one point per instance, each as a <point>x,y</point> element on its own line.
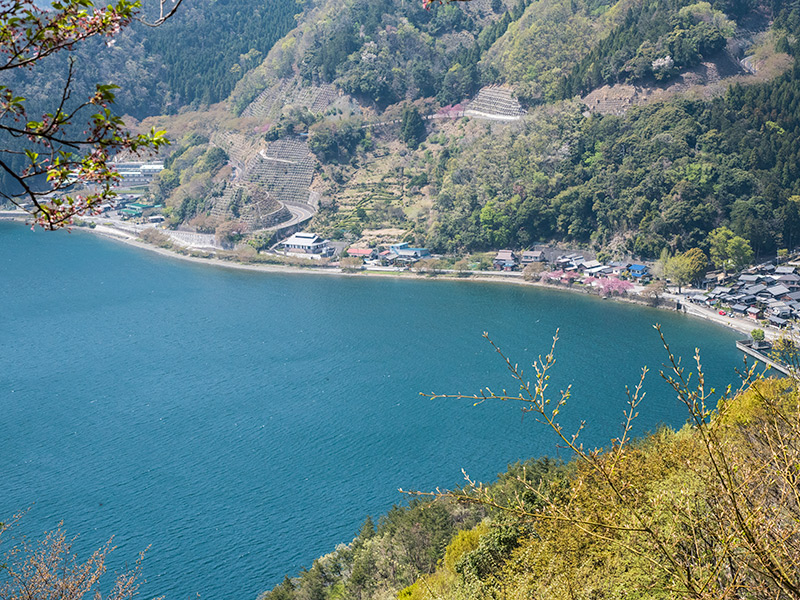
<point>242,424</point>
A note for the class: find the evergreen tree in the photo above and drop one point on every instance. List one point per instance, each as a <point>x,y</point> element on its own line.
<point>412,130</point>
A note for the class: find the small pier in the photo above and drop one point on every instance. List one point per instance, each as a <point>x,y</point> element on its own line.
<point>754,349</point>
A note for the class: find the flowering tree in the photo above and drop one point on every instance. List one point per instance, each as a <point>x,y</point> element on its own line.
<point>569,276</point>
<point>69,147</point>
<point>50,569</point>
<point>613,285</point>
<point>550,275</point>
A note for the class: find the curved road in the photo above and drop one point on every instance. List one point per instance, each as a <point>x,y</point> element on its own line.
<point>300,213</point>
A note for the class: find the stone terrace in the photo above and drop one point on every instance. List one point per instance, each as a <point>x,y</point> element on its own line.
<point>288,92</point>
<point>495,102</point>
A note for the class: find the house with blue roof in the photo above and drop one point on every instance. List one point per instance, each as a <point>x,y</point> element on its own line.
<point>639,271</point>
<point>402,252</point>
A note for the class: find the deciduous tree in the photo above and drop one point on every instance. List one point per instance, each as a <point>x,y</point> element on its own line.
<point>729,251</point>
<point>677,270</point>
<point>686,267</point>
<point>740,253</point>
<point>351,264</point>
<point>60,161</point>
<point>533,271</point>
<point>653,292</point>
<point>50,569</point>
<point>726,528</point>
<point>718,244</point>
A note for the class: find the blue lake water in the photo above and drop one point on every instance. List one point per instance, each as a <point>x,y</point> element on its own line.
<point>242,424</point>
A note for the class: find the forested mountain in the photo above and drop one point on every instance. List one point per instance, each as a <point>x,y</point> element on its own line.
<point>665,174</point>
<point>195,59</point>
<point>644,176</point>
<point>207,47</point>
<point>656,40</point>
<point>652,175</point>
<point>540,48</point>
<point>389,51</point>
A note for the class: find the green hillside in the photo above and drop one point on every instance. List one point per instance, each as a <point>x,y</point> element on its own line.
<point>662,175</point>
<point>655,174</point>
<point>207,47</point>
<point>707,511</point>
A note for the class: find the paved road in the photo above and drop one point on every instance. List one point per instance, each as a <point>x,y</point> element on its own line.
<point>189,239</point>
<point>479,114</point>
<point>742,324</point>
<point>300,213</point>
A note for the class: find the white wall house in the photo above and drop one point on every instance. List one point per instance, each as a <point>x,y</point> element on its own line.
<point>306,243</point>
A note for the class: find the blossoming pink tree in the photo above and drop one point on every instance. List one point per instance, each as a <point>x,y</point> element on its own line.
<point>71,146</point>
<point>548,276</point>
<point>613,285</point>
<point>570,276</point>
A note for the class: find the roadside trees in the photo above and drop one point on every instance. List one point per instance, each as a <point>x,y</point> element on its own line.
<point>412,129</point>
<point>229,233</point>
<point>718,246</point>
<point>729,251</point>
<point>697,264</point>
<point>351,264</point>
<point>427,266</point>
<point>461,267</point>
<point>740,253</point>
<point>653,292</point>
<point>532,271</point>
<point>677,270</point>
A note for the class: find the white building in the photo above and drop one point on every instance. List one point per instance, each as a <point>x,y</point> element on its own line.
<point>137,173</point>
<point>307,243</point>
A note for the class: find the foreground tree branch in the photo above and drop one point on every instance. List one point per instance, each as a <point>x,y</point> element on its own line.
<point>67,168</point>
<point>732,528</point>
<point>49,569</point>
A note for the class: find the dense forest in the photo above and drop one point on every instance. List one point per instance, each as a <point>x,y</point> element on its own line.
<point>207,47</point>
<point>656,40</point>
<point>662,175</point>
<point>384,52</point>
<point>196,57</point>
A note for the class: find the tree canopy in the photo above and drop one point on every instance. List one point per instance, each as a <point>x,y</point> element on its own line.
<point>686,267</point>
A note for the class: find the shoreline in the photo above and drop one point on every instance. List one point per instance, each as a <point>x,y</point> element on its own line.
<point>690,310</point>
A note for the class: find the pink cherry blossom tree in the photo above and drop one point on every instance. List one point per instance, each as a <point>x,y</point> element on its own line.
<point>614,285</point>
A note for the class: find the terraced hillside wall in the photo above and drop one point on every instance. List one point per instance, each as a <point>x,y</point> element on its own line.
<point>495,102</point>
<point>289,92</point>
